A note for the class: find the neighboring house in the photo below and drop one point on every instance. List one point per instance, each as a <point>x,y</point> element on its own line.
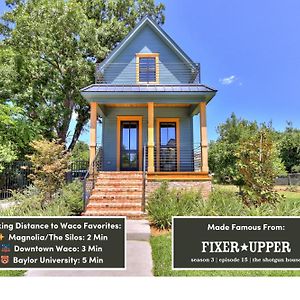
<point>147,91</point>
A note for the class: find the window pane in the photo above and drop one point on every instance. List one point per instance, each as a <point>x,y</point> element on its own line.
<point>133,138</point>
<point>147,69</point>
<point>168,134</point>
<point>125,138</point>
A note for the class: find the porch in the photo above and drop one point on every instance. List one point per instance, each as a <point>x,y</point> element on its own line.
<point>142,138</point>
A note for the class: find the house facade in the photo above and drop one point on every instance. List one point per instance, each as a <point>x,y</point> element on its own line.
<point>146,94</point>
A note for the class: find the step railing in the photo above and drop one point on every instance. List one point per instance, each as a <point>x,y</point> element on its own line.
<point>144,178</point>
<point>90,177</point>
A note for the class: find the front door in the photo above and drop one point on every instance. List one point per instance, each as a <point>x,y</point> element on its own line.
<point>129,152</point>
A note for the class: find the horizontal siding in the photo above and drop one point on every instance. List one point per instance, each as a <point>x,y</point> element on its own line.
<point>110,130</point>
<point>172,69</point>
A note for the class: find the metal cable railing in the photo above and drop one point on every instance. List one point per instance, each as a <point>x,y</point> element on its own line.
<point>90,177</point>
<point>133,73</point>
<point>172,159</point>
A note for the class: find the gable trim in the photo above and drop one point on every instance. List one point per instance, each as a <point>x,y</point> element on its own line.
<point>159,30</point>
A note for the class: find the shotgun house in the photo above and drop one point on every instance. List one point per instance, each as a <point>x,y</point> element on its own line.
<point>146,94</point>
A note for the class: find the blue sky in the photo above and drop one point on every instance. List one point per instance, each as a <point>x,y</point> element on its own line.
<point>248,50</point>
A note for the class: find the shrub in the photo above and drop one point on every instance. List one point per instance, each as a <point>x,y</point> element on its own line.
<point>71,196</point>
<point>259,164</point>
<point>50,164</point>
<point>165,202</point>
<point>67,202</point>
<point>222,203</point>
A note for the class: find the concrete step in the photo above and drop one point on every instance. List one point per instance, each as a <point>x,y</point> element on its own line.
<point>119,172</point>
<point>136,215</point>
<point>118,189</point>
<point>116,175</point>
<point>117,194</point>
<point>115,197</point>
<point>117,182</point>
<point>103,206</point>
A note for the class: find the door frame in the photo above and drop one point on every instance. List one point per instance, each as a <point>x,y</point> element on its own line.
<point>162,120</point>
<point>138,119</point>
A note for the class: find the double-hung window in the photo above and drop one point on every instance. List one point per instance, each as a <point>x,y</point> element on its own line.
<point>147,67</point>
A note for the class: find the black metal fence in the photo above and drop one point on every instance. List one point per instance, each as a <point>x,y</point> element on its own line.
<point>290,179</point>
<point>15,175</point>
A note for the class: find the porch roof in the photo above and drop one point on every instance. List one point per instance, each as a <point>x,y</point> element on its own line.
<point>186,92</point>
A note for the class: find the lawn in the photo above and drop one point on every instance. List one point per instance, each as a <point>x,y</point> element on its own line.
<point>162,259</point>
<point>12,273</point>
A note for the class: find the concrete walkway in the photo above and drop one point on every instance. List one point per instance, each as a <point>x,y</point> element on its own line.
<point>5,204</point>
<point>139,258</point>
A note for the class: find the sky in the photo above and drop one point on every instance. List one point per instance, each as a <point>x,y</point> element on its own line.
<point>248,50</point>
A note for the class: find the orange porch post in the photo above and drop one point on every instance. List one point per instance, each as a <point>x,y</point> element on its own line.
<point>203,136</point>
<point>93,131</point>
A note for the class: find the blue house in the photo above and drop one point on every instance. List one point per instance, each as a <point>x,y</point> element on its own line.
<point>146,93</point>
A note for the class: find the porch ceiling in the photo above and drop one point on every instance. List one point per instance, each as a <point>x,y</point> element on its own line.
<point>182,93</point>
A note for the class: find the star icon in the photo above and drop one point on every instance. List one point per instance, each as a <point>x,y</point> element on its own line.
<point>244,247</point>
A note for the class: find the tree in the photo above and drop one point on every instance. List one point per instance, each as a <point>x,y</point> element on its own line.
<point>222,157</point>
<point>290,148</point>
<point>258,164</point>
<point>15,133</point>
<point>50,164</point>
<point>54,47</point>
<point>80,152</point>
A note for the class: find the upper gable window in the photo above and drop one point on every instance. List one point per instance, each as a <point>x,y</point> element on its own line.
<point>147,67</point>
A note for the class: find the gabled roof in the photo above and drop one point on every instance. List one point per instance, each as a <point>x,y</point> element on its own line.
<point>165,37</point>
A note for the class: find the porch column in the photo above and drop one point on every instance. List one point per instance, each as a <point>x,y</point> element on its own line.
<point>93,131</point>
<point>150,137</point>
<point>203,136</point>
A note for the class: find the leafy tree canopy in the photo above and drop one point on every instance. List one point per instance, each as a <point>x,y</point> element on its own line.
<point>258,164</point>
<point>15,133</point>
<point>51,48</point>
<point>222,158</point>
<point>80,152</point>
<point>290,148</point>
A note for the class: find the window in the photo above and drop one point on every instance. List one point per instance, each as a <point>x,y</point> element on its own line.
<point>147,67</point>
<point>167,145</point>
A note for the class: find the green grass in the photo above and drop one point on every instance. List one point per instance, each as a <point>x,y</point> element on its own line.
<point>12,273</point>
<point>162,259</point>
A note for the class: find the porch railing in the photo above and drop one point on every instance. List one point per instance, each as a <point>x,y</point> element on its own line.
<point>90,177</point>
<point>171,159</point>
<point>126,73</point>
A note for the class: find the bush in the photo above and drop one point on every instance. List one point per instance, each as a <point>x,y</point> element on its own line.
<point>221,203</point>
<point>50,164</point>
<point>68,201</point>
<point>165,202</point>
<point>258,165</point>
<point>71,196</point>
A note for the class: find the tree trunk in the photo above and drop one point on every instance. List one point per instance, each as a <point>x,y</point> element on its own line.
<point>82,119</point>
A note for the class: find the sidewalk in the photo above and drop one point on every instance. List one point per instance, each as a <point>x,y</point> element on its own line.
<point>139,258</point>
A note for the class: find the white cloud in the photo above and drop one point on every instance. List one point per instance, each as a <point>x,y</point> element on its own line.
<point>228,80</point>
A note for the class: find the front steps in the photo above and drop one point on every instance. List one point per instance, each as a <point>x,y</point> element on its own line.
<point>117,194</point>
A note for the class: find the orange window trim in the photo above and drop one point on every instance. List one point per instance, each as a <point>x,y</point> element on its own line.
<point>130,118</point>
<point>154,55</point>
<point>158,121</point>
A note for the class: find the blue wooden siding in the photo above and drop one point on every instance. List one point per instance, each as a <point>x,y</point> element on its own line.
<point>172,69</point>
<point>110,131</point>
